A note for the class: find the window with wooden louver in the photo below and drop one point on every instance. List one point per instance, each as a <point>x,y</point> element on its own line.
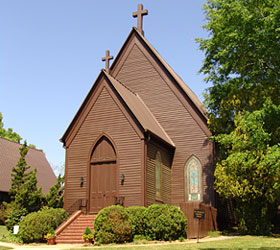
<point>158,176</point>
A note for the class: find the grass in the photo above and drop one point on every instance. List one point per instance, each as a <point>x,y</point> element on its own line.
<point>214,233</point>
<point>3,233</point>
<point>7,237</point>
<point>237,243</point>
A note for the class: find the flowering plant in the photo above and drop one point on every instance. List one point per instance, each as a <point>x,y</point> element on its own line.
<point>50,235</point>
<point>87,235</point>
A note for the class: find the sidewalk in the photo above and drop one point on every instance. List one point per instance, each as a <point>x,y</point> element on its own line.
<point>42,246</point>
<point>75,246</point>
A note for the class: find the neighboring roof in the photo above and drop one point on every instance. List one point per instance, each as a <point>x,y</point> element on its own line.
<point>139,110</point>
<point>9,156</point>
<point>180,82</point>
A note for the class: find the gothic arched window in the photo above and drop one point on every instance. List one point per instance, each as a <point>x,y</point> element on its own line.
<point>193,182</point>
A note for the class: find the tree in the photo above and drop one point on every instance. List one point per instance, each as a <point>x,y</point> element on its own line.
<point>25,196</point>
<point>19,172</point>
<point>250,175</point>
<point>242,62</point>
<point>241,58</point>
<point>8,134</point>
<point>54,198</point>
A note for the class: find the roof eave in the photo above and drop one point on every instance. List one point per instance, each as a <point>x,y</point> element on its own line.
<point>172,73</point>
<point>72,123</point>
<point>172,146</point>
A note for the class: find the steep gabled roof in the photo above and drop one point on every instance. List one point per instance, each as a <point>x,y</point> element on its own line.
<point>140,110</point>
<point>133,102</point>
<point>189,93</point>
<point>9,156</point>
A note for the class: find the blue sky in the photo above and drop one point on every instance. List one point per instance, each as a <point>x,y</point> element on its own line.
<point>51,50</point>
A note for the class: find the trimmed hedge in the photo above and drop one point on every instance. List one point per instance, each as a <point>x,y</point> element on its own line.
<point>112,225</point>
<point>37,224</point>
<point>137,219</point>
<point>116,224</point>
<point>164,222</point>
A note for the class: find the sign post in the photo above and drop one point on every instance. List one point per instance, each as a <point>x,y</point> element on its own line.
<point>198,214</point>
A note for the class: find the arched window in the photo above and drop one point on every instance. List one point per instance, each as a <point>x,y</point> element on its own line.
<point>193,182</point>
<point>158,176</point>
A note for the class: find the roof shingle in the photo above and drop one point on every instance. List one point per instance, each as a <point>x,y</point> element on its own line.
<point>140,110</point>
<point>9,156</point>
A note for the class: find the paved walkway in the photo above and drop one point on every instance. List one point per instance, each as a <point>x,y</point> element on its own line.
<point>75,246</point>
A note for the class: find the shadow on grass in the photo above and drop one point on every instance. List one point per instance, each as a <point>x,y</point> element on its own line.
<point>254,248</point>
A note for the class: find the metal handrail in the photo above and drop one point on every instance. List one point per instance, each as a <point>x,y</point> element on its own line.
<point>76,205</point>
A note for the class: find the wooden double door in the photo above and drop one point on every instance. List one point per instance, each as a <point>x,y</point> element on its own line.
<point>103,176</point>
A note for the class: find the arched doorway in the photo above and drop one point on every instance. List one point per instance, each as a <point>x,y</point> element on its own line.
<point>103,175</point>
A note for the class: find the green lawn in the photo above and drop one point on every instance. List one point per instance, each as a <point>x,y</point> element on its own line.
<point>238,243</point>
<point>5,248</point>
<point>3,233</point>
<point>6,236</point>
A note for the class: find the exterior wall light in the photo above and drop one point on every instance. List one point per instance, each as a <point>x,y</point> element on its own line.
<point>82,181</point>
<point>122,179</point>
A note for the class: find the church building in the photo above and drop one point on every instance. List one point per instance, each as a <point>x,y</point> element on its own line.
<point>140,136</point>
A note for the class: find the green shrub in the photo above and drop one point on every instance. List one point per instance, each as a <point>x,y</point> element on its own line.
<point>116,224</point>
<point>87,235</point>
<point>140,239</point>
<point>15,216</point>
<point>87,231</point>
<point>136,217</point>
<point>214,233</point>
<point>37,224</point>
<point>164,222</point>
<point>5,210</point>
<point>112,225</point>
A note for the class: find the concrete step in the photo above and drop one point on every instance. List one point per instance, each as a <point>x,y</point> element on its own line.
<point>70,241</point>
<point>74,231</point>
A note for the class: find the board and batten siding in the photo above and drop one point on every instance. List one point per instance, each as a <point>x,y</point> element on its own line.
<point>105,116</point>
<point>142,73</point>
<point>152,150</point>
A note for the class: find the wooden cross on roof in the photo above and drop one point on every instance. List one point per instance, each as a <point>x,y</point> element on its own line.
<point>139,14</point>
<point>107,58</point>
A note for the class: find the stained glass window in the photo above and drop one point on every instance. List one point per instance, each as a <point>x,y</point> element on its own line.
<point>158,176</point>
<point>193,188</point>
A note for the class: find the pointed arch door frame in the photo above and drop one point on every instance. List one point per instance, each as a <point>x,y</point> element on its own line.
<point>90,170</point>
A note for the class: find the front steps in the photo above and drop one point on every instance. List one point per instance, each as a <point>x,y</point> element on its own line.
<point>71,231</point>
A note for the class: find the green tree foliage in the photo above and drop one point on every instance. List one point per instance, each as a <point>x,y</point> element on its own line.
<point>25,195</point>
<point>8,134</point>
<point>54,198</point>
<point>19,172</point>
<point>242,62</point>
<point>241,58</point>
<point>29,195</point>
<point>250,175</point>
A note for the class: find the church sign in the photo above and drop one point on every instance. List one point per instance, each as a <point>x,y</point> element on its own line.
<point>199,214</point>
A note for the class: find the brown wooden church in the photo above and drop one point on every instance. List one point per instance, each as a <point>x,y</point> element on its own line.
<point>140,137</point>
